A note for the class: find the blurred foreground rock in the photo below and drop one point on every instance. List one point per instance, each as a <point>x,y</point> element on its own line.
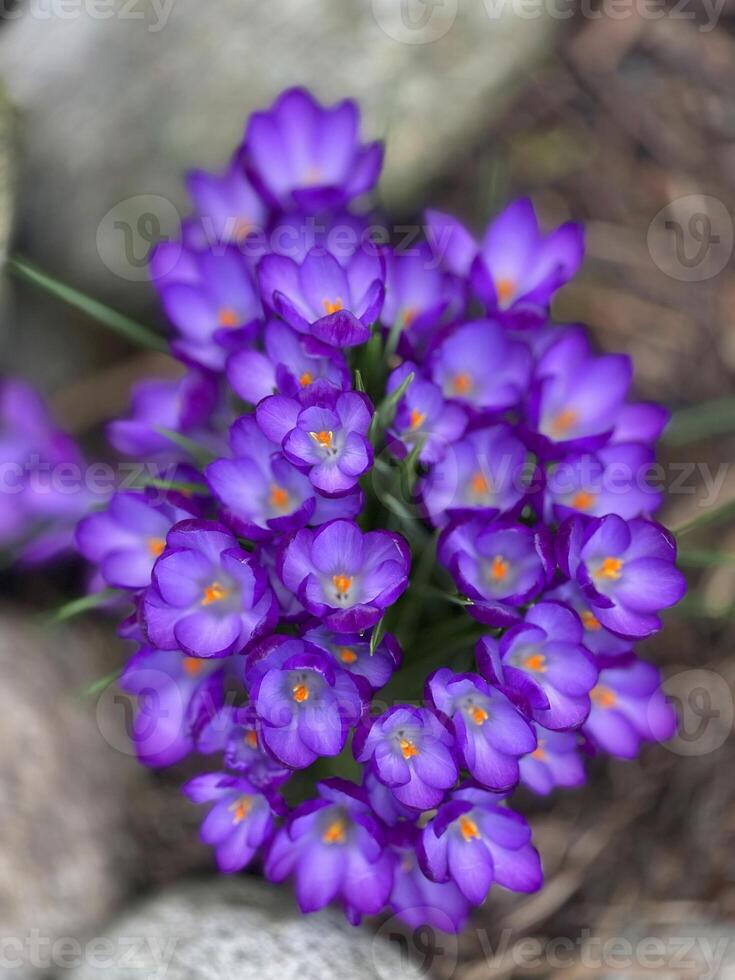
<point>118,98</point>
<point>64,861</point>
<point>238,929</point>
<point>83,824</point>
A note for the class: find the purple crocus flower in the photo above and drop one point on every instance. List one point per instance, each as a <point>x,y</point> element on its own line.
<point>382,801</point>
<point>208,597</point>
<point>302,155</point>
<point>498,564</point>
<point>305,704</point>
<point>330,303</point>
<point>42,491</point>
<point>484,474</point>
<point>184,405</point>
<point>418,900</point>
<point>285,368</point>
<point>625,569</point>
<point>211,299</point>
<point>515,270</point>
<point>476,842</point>
<point>343,576</point>
<point>419,296</point>
<point>556,761</point>
<point>234,732</point>
<point>490,733</point>
<point>125,539</point>
<point>327,438</point>
<point>542,664</point>
<point>351,651</point>
<point>228,209</point>
<point>577,396</point>
<point>411,751</point>
<point>264,494</point>
<point>423,415</point>
<point>598,640</point>
<point>629,707</point>
<point>335,848</point>
<point>240,821</point>
<point>176,695</point>
<point>480,366</point>
<point>614,480</point>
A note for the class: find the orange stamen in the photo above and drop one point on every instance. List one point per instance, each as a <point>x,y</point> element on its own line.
<point>409,315</point>
<point>539,753</point>
<point>535,662</point>
<point>323,438</point>
<point>408,749</point>
<point>479,484</point>
<point>590,621</point>
<point>505,290</point>
<point>306,379</point>
<point>342,583</point>
<point>241,808</point>
<point>300,693</point>
<point>499,568</point>
<point>603,696</point>
<point>242,229</point>
<point>479,715</point>
<point>156,546</point>
<point>193,666</point>
<point>417,418</point>
<point>563,422</point>
<point>461,384</point>
<point>347,656</point>
<point>213,593</point>
<point>332,306</point>
<point>468,828</point>
<point>583,500</point>
<point>228,317</point>
<point>336,833</point>
<point>251,738</point>
<point>279,498</point>
<point>610,569</point>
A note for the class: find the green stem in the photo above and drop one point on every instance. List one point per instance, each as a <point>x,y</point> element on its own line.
<point>712,516</point>
<point>78,606</point>
<point>694,558</point>
<point>110,318</point>
<point>712,418</point>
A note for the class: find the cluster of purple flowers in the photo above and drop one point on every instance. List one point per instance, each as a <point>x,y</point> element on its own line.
<point>261,603</point>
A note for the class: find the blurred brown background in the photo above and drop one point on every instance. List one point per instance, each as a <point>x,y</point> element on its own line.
<point>621,115</point>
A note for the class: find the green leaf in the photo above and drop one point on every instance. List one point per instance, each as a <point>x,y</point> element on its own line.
<point>377,635</point>
<point>715,515</point>
<point>693,558</point>
<point>712,418</point>
<point>386,411</point>
<point>100,685</point>
<point>108,317</point>
<point>359,383</point>
<point>78,606</point>
<point>200,453</point>
<point>197,489</point>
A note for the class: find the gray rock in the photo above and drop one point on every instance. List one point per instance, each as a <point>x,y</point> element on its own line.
<point>83,825</point>
<point>63,793</point>
<point>120,97</point>
<point>237,929</point>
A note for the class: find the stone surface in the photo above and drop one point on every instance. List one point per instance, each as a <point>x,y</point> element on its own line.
<point>118,98</point>
<point>62,790</point>
<point>83,824</point>
<point>238,929</point>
